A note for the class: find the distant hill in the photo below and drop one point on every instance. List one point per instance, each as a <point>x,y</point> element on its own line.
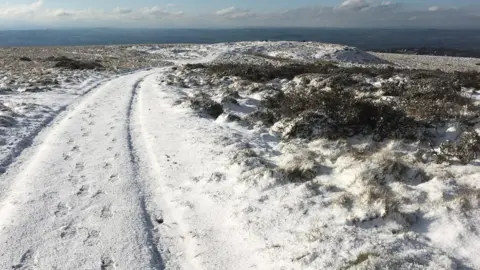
<point>432,51</point>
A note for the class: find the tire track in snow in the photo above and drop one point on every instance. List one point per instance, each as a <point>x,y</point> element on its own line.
<point>177,236</point>
<point>63,203</point>
<point>134,159</point>
<point>199,233</point>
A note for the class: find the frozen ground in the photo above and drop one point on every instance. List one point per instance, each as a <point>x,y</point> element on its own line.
<point>167,168</point>
<point>432,62</point>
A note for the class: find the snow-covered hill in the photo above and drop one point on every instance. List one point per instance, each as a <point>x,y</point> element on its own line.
<point>254,155</point>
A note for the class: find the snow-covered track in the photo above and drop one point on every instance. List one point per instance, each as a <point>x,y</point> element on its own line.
<point>72,201</point>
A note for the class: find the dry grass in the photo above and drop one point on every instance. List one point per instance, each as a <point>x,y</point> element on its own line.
<point>301,167</point>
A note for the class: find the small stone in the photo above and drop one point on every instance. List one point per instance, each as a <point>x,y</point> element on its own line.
<point>159,220</point>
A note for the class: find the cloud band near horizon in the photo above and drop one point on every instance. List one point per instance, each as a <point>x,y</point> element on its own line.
<point>348,13</point>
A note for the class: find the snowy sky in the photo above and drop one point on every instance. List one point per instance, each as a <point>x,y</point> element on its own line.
<point>239,13</point>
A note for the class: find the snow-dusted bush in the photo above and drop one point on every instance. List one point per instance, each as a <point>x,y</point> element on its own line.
<point>25,59</point>
<point>205,105</point>
<point>465,149</point>
<point>265,73</point>
<point>395,170</point>
<point>300,167</point>
<point>68,63</point>
<point>338,114</point>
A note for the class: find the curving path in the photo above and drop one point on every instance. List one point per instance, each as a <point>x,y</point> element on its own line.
<point>110,184</point>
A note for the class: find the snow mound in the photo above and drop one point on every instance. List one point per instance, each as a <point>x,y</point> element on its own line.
<point>307,51</point>
<point>281,51</point>
<point>174,52</point>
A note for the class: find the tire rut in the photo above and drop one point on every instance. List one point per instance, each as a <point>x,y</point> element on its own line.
<point>157,260</point>
<point>84,200</point>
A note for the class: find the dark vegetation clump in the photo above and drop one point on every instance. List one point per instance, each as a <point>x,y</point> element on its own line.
<point>424,100</point>
<point>435,100</point>
<point>395,170</point>
<point>68,63</point>
<point>338,113</point>
<point>229,100</point>
<point>25,59</point>
<point>7,121</point>
<point>203,104</point>
<point>8,117</point>
<point>274,58</point>
<point>264,116</point>
<point>465,149</point>
<point>265,73</point>
<point>195,66</point>
<point>343,104</point>
<point>339,74</point>
<point>233,118</point>
<point>230,97</point>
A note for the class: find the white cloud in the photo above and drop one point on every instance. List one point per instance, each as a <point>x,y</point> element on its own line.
<point>61,13</point>
<point>225,11</point>
<point>355,4</point>
<point>20,9</point>
<point>365,5</point>
<point>161,12</point>
<point>120,10</point>
<point>349,13</point>
<point>234,13</point>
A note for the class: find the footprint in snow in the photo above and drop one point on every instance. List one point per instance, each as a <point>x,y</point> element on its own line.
<point>49,195</point>
<point>91,123</point>
<point>98,194</point>
<point>76,148</point>
<point>68,232</point>
<point>28,258</point>
<point>70,141</point>
<point>85,134</point>
<point>62,210</point>
<point>113,178</point>
<point>106,212</point>
<point>72,179</point>
<point>107,165</point>
<point>107,263</point>
<point>83,191</point>
<point>79,166</point>
<point>92,238</point>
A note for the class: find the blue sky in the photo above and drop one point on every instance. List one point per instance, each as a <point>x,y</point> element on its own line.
<point>239,13</point>
<point>205,5</point>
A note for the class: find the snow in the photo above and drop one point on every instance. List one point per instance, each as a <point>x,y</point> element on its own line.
<point>119,171</point>
<point>302,51</point>
<point>31,111</point>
